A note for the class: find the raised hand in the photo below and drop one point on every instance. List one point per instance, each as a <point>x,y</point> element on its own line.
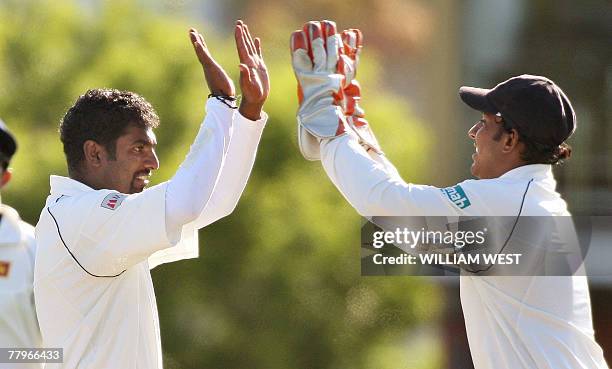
<point>325,65</point>
<point>217,80</point>
<point>254,79</point>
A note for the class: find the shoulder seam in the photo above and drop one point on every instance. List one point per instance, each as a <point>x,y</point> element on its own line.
<point>72,255</point>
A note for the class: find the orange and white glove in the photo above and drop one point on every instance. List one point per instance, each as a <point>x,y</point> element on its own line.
<point>315,52</point>
<point>352,43</point>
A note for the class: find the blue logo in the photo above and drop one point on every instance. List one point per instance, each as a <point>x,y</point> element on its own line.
<point>457,196</point>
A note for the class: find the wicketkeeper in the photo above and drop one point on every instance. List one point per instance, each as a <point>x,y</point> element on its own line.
<point>512,322</point>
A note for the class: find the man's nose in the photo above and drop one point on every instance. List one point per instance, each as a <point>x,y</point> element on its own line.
<point>152,161</point>
<point>472,131</point>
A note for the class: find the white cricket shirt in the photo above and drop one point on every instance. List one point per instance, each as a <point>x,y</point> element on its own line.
<point>18,323</point>
<point>532,322</point>
<point>92,282</point>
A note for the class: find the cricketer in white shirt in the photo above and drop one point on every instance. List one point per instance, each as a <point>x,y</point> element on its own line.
<point>529,322</point>
<point>93,287</point>
<point>18,322</point>
<point>512,322</point>
<point>92,280</point>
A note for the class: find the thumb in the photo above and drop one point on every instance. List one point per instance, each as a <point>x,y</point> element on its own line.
<point>245,75</point>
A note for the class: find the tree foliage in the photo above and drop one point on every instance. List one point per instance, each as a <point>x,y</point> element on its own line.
<point>278,284</point>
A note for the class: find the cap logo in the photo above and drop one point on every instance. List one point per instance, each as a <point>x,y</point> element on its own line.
<point>5,267</point>
<point>113,201</point>
<point>457,196</point>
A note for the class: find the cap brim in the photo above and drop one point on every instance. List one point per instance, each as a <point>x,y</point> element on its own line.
<point>476,98</point>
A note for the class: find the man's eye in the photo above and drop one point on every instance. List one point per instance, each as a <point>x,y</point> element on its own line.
<point>139,148</point>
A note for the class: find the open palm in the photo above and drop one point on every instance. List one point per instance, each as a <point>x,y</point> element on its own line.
<point>254,79</point>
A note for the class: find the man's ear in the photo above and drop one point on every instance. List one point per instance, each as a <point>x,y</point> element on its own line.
<point>94,153</point>
<point>511,141</point>
<point>6,177</point>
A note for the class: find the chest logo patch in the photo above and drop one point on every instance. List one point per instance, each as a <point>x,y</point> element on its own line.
<point>113,201</point>
<point>5,267</point>
<point>457,196</point>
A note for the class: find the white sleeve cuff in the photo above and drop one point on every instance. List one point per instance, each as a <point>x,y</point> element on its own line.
<point>242,121</point>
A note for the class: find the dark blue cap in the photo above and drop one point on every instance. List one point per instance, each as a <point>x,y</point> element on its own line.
<point>534,105</point>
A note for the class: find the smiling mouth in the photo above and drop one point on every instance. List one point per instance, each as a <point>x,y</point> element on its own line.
<point>144,178</point>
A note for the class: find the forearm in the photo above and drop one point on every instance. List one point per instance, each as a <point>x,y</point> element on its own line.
<point>372,187</point>
<point>190,189</point>
<point>236,169</point>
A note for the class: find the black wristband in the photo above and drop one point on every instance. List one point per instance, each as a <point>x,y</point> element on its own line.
<point>229,101</point>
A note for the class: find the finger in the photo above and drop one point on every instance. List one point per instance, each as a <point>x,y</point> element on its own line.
<point>193,37</point>
<point>199,46</point>
<point>332,44</point>
<point>245,40</point>
<point>316,45</point>
<point>328,28</point>
<point>298,41</point>
<point>354,42</point>
<point>299,52</point>
<point>359,43</point>
<point>359,37</point>
<point>349,41</point>
<point>197,37</point>
<point>201,38</point>
<point>243,53</point>
<point>258,47</point>
<point>248,42</point>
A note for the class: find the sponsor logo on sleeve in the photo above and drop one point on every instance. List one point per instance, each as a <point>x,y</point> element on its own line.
<point>457,196</point>
<point>5,267</point>
<point>113,201</point>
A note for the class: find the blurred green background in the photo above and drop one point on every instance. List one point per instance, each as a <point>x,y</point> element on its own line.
<point>278,282</point>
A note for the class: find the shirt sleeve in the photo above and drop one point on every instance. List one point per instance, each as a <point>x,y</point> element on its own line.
<point>107,232</point>
<point>237,166</point>
<point>236,170</point>
<point>186,248</point>
<point>373,186</point>
<point>191,188</point>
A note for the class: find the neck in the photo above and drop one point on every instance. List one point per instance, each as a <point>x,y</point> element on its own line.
<point>86,180</point>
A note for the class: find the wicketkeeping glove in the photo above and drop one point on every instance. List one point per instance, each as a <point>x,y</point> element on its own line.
<point>352,40</point>
<point>315,52</point>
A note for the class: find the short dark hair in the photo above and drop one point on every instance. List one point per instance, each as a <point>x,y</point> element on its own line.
<point>102,115</point>
<point>537,153</point>
<point>534,152</point>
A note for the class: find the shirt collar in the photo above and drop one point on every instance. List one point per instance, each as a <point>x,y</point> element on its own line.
<point>10,231</point>
<point>67,186</point>
<point>535,171</point>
